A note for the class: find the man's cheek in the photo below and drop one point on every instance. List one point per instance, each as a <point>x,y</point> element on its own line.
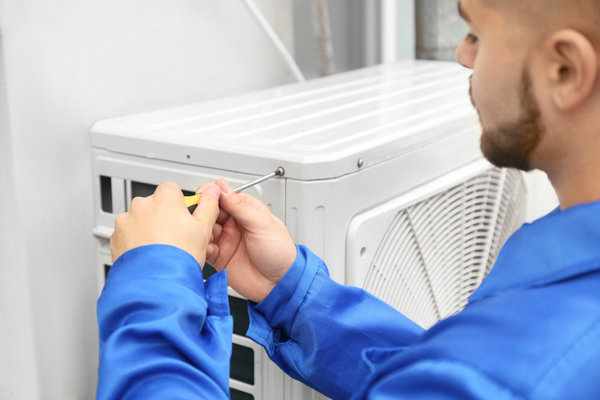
<point>488,97</point>
<point>478,99</point>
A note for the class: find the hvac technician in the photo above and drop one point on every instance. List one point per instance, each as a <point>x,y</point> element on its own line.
<point>531,331</point>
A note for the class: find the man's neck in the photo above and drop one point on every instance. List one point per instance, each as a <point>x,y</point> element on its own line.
<point>580,184</point>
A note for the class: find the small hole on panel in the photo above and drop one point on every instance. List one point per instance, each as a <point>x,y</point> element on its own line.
<point>188,156</point>
<point>363,252</point>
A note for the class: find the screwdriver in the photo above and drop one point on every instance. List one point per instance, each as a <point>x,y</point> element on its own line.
<point>192,201</point>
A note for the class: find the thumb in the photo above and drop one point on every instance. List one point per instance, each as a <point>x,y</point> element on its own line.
<point>208,207</point>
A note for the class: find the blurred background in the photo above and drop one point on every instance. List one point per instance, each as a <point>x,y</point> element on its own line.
<point>65,64</point>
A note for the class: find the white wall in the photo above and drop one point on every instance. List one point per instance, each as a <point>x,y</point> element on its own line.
<point>357,35</point>
<point>345,36</point>
<point>63,65</point>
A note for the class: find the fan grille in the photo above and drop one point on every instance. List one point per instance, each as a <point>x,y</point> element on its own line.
<point>437,252</point>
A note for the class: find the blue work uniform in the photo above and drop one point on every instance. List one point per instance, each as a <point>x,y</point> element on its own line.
<point>530,331</point>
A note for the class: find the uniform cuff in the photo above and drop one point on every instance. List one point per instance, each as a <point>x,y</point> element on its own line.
<point>274,316</point>
<point>174,266</point>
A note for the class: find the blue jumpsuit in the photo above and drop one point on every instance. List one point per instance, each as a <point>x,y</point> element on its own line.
<point>530,331</point>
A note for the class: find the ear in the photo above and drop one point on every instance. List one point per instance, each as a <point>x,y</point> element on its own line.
<point>573,68</point>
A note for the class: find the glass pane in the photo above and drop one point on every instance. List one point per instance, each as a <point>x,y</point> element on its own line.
<point>242,364</point>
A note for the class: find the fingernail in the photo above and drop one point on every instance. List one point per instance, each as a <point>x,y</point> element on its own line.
<point>229,190</point>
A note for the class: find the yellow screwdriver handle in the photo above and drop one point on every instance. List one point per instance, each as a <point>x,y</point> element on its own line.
<point>192,200</point>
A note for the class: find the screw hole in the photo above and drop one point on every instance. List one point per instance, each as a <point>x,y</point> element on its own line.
<point>188,156</point>
<point>363,252</point>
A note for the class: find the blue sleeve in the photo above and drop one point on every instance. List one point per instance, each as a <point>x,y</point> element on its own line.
<point>316,330</point>
<point>163,332</point>
<point>435,380</point>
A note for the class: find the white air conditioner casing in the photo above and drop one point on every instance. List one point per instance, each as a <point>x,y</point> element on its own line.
<point>384,180</point>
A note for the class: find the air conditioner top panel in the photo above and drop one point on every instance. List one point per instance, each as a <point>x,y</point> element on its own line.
<point>316,130</point>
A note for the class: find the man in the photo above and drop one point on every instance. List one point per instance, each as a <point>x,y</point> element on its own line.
<point>531,331</point>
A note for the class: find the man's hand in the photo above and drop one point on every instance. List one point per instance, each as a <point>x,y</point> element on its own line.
<point>163,218</point>
<point>251,243</point>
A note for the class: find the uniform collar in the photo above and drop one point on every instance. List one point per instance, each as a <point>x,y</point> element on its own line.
<point>559,246</point>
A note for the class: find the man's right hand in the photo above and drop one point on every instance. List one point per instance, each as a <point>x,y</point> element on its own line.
<point>251,243</point>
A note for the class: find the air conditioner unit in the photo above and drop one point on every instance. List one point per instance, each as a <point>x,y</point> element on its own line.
<point>384,180</point>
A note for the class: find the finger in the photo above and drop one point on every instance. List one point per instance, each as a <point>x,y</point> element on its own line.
<point>137,204</point>
<point>223,217</point>
<point>223,184</point>
<point>212,253</point>
<point>168,187</point>
<point>208,207</point>
<point>230,237</point>
<point>169,192</point>
<point>228,243</point>
<point>216,233</point>
<point>203,187</point>
<point>243,208</point>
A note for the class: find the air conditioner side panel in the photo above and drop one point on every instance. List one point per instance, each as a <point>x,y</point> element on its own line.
<point>318,213</point>
<point>366,230</point>
<point>426,251</point>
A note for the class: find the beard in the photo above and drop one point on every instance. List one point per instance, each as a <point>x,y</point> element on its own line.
<point>510,144</point>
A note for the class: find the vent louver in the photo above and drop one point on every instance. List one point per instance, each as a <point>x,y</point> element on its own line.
<point>436,253</point>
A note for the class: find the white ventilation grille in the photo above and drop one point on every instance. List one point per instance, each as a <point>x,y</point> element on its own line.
<point>436,253</point>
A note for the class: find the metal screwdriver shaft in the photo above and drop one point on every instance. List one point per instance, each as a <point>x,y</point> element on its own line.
<point>192,201</point>
<point>279,172</point>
